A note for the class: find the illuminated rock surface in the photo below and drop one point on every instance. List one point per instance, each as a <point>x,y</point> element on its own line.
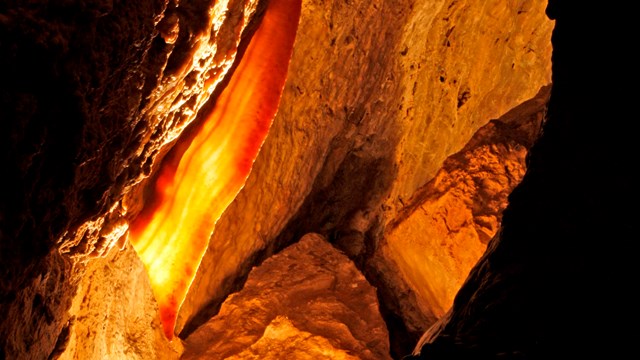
<point>360,130</point>
<point>381,93</point>
<point>447,224</point>
<point>94,95</point>
<point>283,340</point>
<point>206,171</point>
<point>115,308</point>
<point>552,283</point>
<point>307,302</point>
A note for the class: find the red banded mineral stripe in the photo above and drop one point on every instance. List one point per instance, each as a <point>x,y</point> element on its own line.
<point>191,194</point>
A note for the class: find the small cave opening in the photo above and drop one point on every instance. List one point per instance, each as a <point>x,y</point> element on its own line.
<point>272,179</point>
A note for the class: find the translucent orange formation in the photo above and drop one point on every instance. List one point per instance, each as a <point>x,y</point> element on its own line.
<point>172,235</point>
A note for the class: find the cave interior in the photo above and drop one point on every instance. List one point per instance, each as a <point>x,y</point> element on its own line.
<point>404,179</point>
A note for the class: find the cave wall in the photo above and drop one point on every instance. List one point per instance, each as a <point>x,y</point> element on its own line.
<point>93,93</point>
<point>359,131</point>
<point>380,94</point>
<point>309,301</point>
<point>552,284</point>
<point>114,308</point>
<point>426,253</point>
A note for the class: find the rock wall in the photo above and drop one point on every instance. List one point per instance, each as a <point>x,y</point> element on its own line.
<point>359,131</point>
<point>115,314</point>
<point>380,93</point>
<point>94,93</point>
<point>308,301</point>
<point>552,283</point>
<point>425,255</point>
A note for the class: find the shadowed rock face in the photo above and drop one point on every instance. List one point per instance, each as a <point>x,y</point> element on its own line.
<point>380,93</point>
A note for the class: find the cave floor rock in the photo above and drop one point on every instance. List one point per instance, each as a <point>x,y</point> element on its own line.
<point>307,302</point>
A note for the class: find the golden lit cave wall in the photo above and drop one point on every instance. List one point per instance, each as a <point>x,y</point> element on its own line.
<point>176,78</point>
<point>309,301</point>
<point>365,81</point>
<point>113,312</point>
<point>94,91</point>
<point>394,86</point>
<point>447,224</point>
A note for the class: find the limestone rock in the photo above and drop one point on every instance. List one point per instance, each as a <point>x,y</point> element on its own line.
<point>444,229</point>
<point>93,95</point>
<point>308,300</point>
<point>555,280</point>
<point>94,92</point>
<point>282,340</point>
<point>115,309</point>
<point>379,94</point>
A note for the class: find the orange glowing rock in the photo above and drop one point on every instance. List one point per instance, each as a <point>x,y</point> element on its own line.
<point>191,191</point>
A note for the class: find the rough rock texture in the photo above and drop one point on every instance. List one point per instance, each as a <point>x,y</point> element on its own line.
<point>114,307</point>
<point>307,302</point>
<point>34,321</point>
<point>359,130</point>
<point>93,92</point>
<point>462,64</point>
<point>445,227</point>
<point>556,281</point>
<point>79,75</point>
<point>282,340</point>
